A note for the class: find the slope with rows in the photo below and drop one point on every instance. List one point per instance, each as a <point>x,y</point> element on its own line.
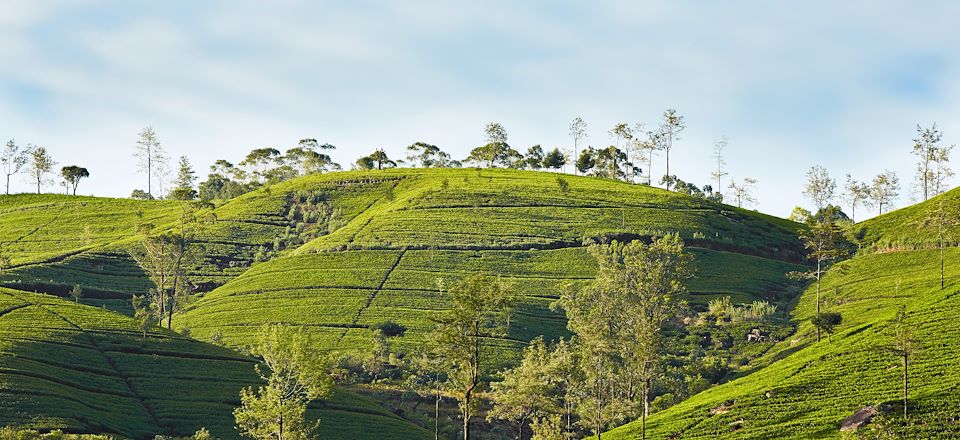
<point>810,387</point>
<point>85,370</point>
<point>395,259</point>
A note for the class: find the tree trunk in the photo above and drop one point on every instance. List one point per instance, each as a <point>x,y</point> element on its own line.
<point>818,299</point>
<point>436,417</point>
<point>280,430</point>
<point>466,416</point>
<point>941,264</point>
<point>8,184</point>
<point>905,384</point>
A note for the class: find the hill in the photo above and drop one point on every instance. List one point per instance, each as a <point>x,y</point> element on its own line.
<point>809,387</point>
<point>426,229</point>
<point>85,370</point>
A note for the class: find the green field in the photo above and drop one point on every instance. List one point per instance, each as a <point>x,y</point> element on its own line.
<point>85,370</point>
<point>434,227</point>
<point>809,387</point>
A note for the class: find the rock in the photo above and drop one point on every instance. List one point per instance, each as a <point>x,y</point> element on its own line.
<point>859,418</point>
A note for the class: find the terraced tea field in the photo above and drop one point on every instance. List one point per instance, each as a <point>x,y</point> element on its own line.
<point>85,370</point>
<point>813,386</point>
<point>393,260</point>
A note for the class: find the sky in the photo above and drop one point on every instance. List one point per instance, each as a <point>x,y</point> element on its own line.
<point>790,84</point>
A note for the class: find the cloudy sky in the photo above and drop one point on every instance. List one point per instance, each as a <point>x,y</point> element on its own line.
<point>791,84</point>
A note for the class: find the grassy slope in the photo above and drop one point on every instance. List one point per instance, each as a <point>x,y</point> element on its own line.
<point>435,225</point>
<point>57,241</point>
<point>913,226</point>
<point>810,387</point>
<point>82,369</point>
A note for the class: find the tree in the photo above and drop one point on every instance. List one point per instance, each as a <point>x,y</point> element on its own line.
<point>427,155</point>
<point>76,292</point>
<point>884,188</point>
<point>825,245</point>
<point>496,152</point>
<point>826,322</point>
<point>534,158</point>
<point>719,173</point>
<point>481,309</point>
<point>578,133</point>
<point>619,131</point>
<point>164,255</point>
<point>926,147</point>
<point>260,161</point>
<point>941,169</point>
<point>942,222</point>
<point>41,164</point>
<point>185,180</point>
<point>820,187</point>
<point>613,164</point>
<point>142,312</point>
<point>670,130</point>
<point>554,159</point>
<point>586,161</point>
<point>295,375</point>
<point>645,147</point>
<point>72,175</point>
<point>904,345</point>
<point>526,390</point>
<point>13,159</point>
<point>743,192</point>
<point>150,155</point>
<point>619,319</point>
<point>856,193</point>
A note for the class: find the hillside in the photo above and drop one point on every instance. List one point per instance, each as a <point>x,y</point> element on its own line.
<point>913,226</point>
<point>810,387</point>
<point>426,229</point>
<point>85,370</point>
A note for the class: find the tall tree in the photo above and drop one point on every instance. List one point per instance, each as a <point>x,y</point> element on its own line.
<point>150,155</point>
<point>670,129</point>
<point>41,164</point>
<point>481,309</point>
<point>856,193</point>
<point>825,245</point>
<point>820,187</point>
<point>743,192</point>
<point>645,148</point>
<point>905,346</point>
<point>926,147</point>
<point>942,222</point>
<point>13,159</point>
<point>72,175</point>
<point>578,133</point>
<point>941,169</point>
<point>884,189</point>
<point>719,173</point>
<point>619,319</point>
<point>526,390</point>
<point>186,178</point>
<point>295,374</point>
<point>260,161</point>
<point>587,160</point>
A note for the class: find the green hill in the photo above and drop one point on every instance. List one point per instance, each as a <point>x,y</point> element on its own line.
<point>426,229</point>
<point>810,387</point>
<point>85,370</point>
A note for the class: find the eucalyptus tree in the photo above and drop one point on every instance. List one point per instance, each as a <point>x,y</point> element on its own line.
<point>150,156</point>
<point>905,345</point>
<point>926,147</point>
<point>825,244</point>
<point>482,308</point>
<point>743,192</point>
<point>670,129</point>
<point>578,133</point>
<point>12,160</point>
<point>820,187</point>
<point>427,155</point>
<point>884,189</point>
<point>40,164</point>
<point>719,173</point>
<point>856,193</point>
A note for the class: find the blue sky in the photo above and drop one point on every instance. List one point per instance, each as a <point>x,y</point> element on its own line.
<point>791,84</point>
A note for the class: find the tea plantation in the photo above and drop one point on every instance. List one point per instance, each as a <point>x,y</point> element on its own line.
<point>390,263</point>
<point>810,387</point>
<point>85,370</point>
